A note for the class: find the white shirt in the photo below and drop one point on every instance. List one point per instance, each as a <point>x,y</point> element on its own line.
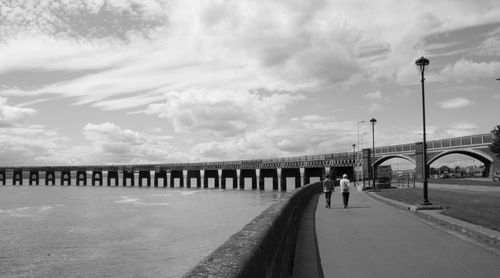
<point>344,185</point>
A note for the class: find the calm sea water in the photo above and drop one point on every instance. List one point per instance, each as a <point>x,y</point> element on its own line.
<point>70,231</point>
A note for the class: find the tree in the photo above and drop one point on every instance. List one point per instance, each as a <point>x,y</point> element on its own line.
<point>495,144</point>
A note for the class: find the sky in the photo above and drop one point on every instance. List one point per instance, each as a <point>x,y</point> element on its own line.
<point>144,81</point>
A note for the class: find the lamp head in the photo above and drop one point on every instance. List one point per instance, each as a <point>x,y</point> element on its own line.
<point>373,121</point>
<point>422,63</point>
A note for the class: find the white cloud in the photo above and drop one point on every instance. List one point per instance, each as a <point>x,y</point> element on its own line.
<point>224,113</point>
<point>30,145</point>
<point>113,144</point>
<point>464,69</point>
<point>455,103</point>
<point>490,46</point>
<point>82,18</point>
<point>12,115</point>
<point>461,129</point>
<point>375,95</point>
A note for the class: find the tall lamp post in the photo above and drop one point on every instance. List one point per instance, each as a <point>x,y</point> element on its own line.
<point>422,64</point>
<point>373,121</point>
<point>354,168</point>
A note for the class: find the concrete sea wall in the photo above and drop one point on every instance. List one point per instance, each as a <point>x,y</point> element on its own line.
<point>265,246</point>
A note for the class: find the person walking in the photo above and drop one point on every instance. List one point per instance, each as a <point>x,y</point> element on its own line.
<point>328,189</point>
<point>344,188</point>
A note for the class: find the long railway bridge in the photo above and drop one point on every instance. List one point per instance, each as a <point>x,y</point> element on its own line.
<point>235,174</point>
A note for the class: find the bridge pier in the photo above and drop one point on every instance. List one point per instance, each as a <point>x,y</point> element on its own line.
<point>50,176</point>
<point>143,174</point>
<point>34,177</point>
<point>113,175</point>
<point>81,176</point>
<point>96,177</point>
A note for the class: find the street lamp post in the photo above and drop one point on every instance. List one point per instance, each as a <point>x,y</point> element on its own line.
<point>422,63</point>
<point>354,168</point>
<point>373,121</point>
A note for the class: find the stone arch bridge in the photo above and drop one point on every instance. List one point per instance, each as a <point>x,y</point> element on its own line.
<point>475,146</point>
<point>235,174</point>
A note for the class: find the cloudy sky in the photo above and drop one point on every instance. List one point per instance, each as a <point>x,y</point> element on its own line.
<point>145,81</point>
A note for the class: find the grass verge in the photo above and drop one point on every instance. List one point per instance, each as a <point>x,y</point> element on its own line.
<point>474,207</point>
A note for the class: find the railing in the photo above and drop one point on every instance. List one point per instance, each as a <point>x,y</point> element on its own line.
<point>465,141</point>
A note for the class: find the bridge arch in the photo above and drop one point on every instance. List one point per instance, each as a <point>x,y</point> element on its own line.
<point>383,159</point>
<point>484,158</point>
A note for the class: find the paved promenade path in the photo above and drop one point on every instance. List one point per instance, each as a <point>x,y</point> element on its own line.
<point>372,239</point>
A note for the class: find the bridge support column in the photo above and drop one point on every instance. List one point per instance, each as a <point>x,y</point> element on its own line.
<point>238,181</point>
<point>202,178</point>
<point>303,182</point>
<point>145,174</point>
<point>81,176</point>
<point>34,177</point>
<point>494,167</point>
<point>50,176</point>
<point>65,177</point>
<point>96,177</point>
<point>219,176</point>
<point>3,176</point>
<point>366,166</point>
<point>113,175</point>
<point>128,175</point>
<point>161,174</point>
<point>279,170</point>
<point>184,178</point>
<point>17,177</point>
<point>257,179</point>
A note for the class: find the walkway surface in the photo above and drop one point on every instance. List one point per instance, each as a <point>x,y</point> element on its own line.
<point>373,239</point>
